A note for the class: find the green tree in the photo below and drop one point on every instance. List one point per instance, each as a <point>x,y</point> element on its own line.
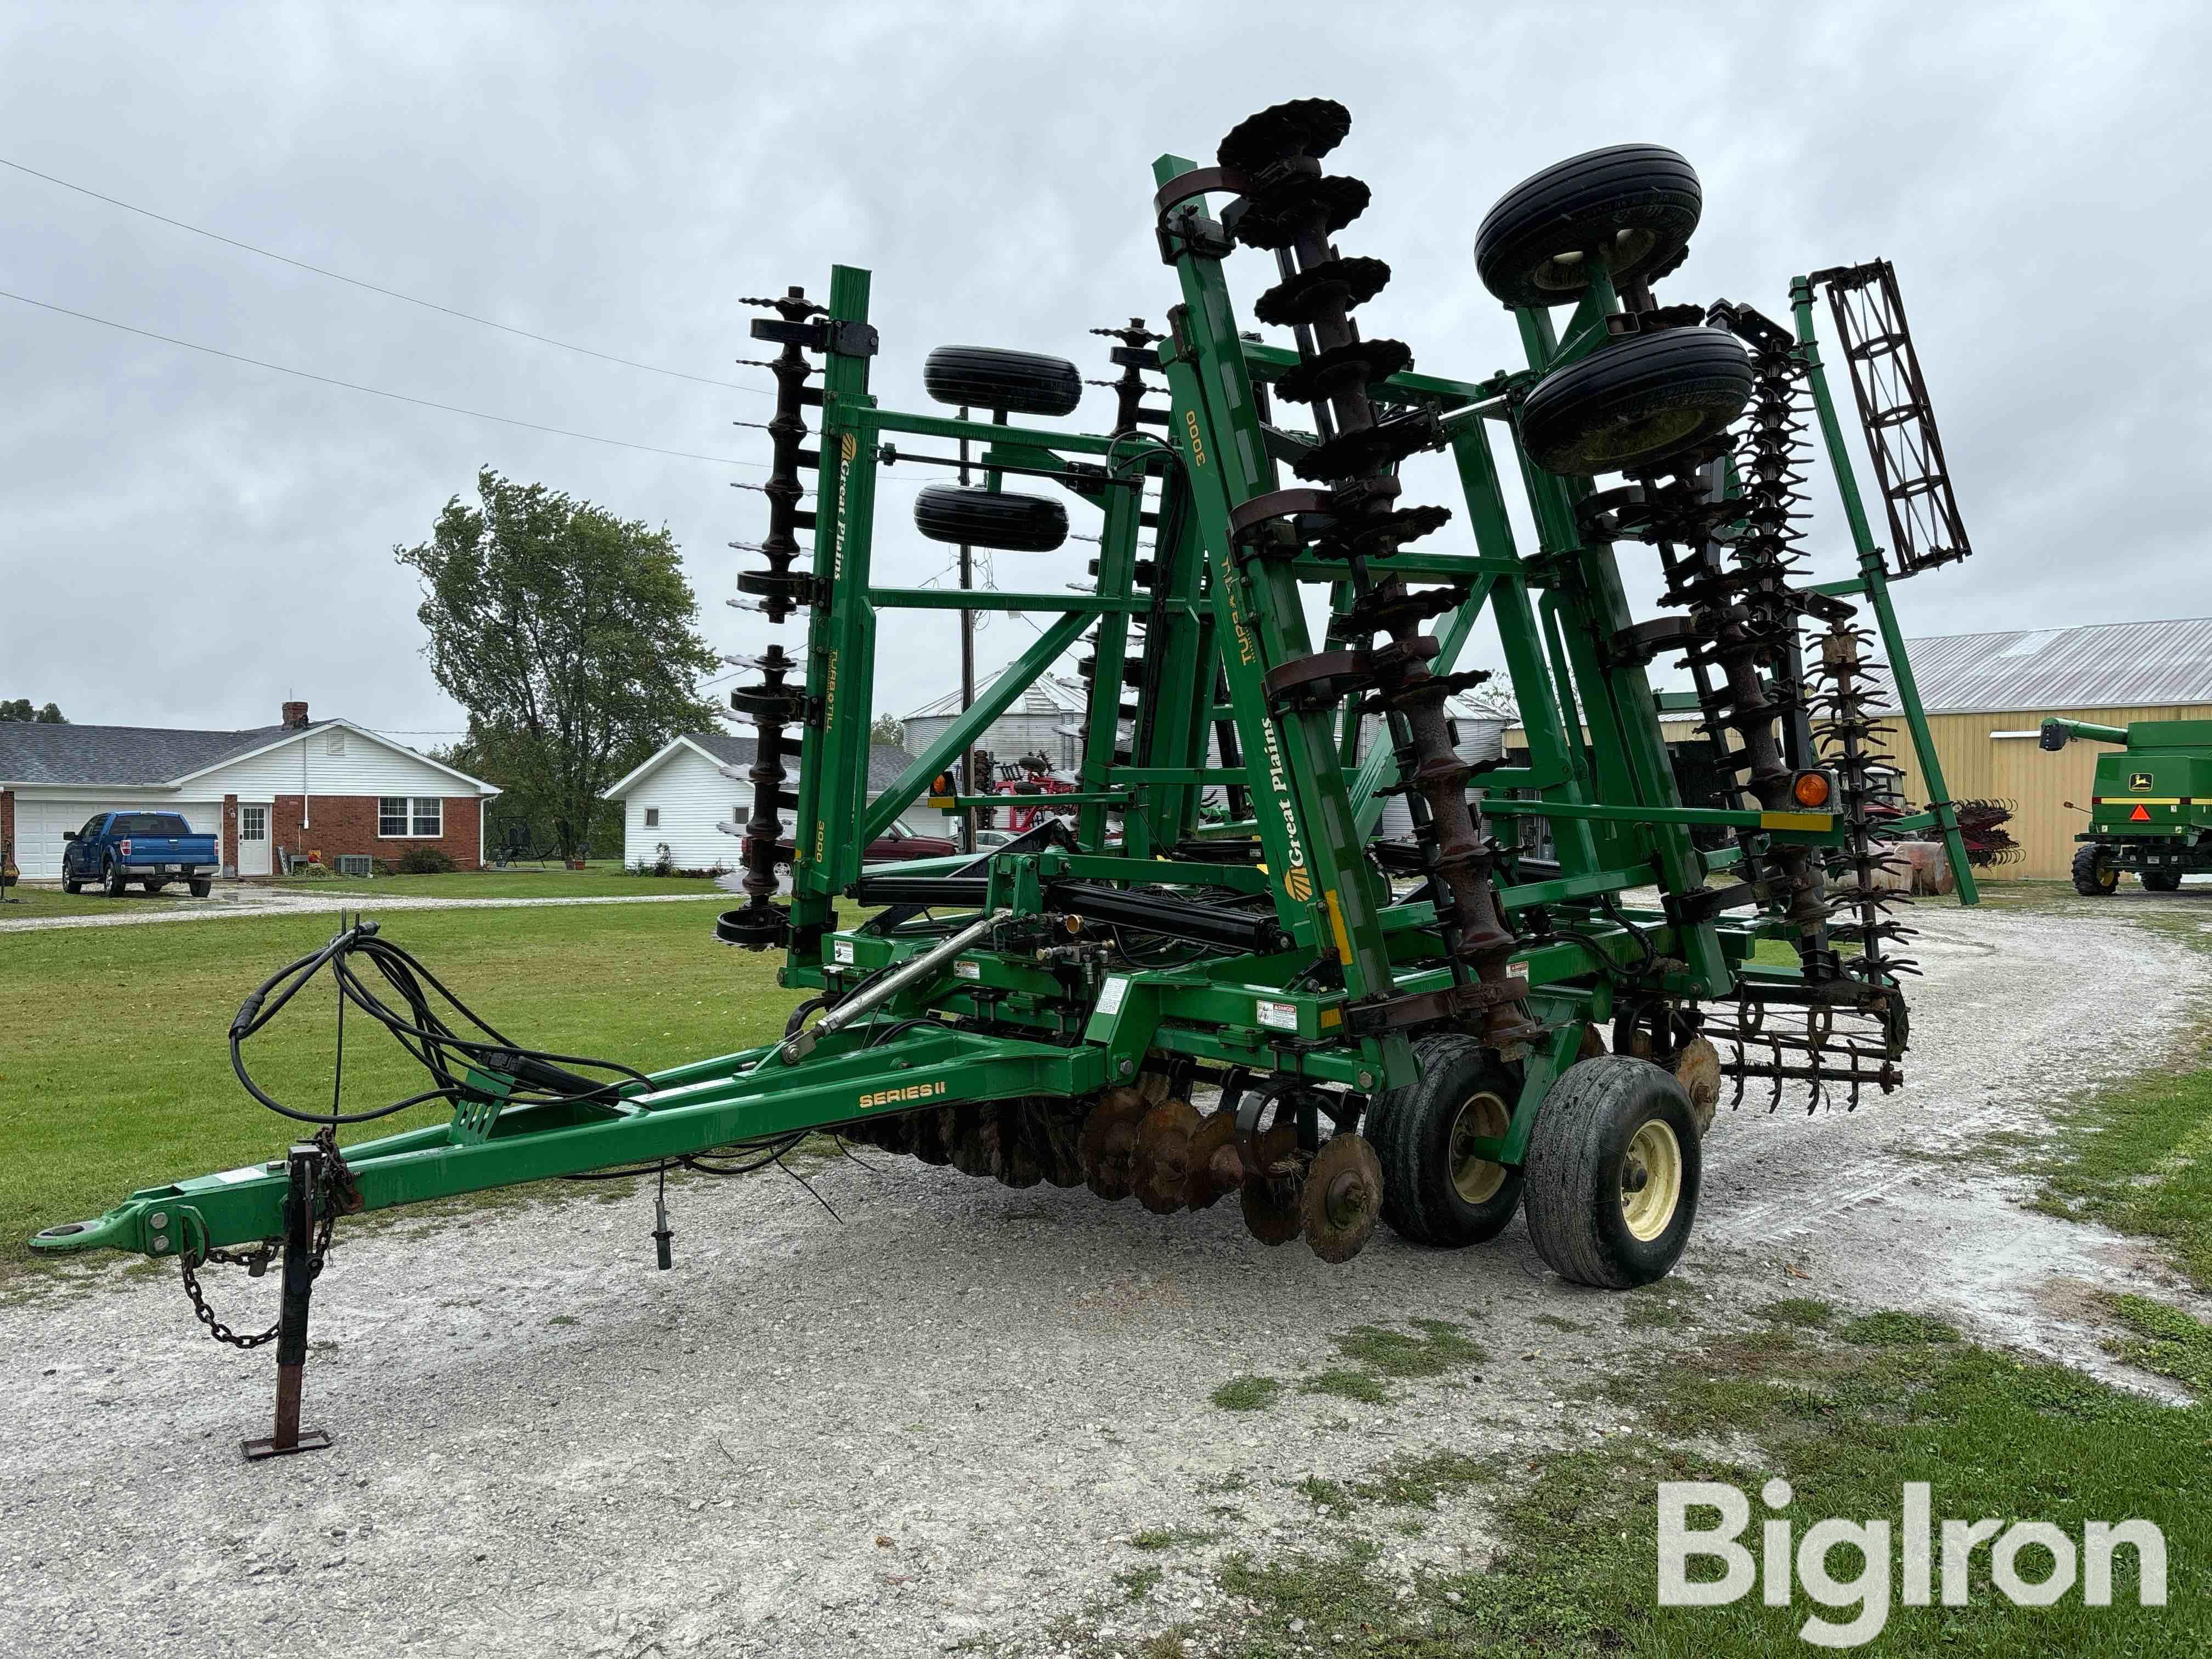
<point>570,637</point>
<point>887,729</point>
<point>20,709</point>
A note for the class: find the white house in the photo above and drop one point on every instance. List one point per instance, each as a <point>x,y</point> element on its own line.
<point>297,787</point>
<point>676,799</point>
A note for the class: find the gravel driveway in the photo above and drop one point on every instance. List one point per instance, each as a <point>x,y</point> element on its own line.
<point>941,1416</point>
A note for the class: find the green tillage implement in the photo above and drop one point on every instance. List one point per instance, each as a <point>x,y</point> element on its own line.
<point>1411,1031</point>
<point>2151,809</point>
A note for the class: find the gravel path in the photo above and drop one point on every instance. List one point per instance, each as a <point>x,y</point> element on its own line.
<point>944,1418</point>
<point>275,902</point>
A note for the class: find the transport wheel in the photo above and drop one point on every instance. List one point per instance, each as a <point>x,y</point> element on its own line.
<point>116,883</point>
<point>1434,1191</point>
<point>976,517</point>
<point>1636,203</point>
<point>1631,404</point>
<point>2094,873</point>
<point>202,889</point>
<point>2162,881</point>
<point>1613,1174</point>
<point>1019,382</point>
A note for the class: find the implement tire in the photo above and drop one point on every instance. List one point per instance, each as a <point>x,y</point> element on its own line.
<point>1636,203</point>
<point>1432,1194</point>
<point>2161,881</point>
<point>2094,874</point>
<point>976,517</point>
<point>1019,382</point>
<point>1632,403</point>
<point>1613,1172</point>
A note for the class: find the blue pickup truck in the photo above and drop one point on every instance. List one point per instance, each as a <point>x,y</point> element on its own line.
<point>114,849</point>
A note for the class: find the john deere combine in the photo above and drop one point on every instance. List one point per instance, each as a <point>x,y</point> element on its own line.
<point>1434,1033</point>
<point>2152,811</point>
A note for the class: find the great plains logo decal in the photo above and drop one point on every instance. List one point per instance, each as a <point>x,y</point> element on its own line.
<point>900,1096</point>
<point>1298,882</point>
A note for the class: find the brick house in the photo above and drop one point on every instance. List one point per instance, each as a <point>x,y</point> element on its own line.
<point>274,791</point>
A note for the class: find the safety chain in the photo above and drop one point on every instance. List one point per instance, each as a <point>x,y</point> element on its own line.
<point>337,1191</point>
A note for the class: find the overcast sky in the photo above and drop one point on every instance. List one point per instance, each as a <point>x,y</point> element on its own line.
<point>187,541</point>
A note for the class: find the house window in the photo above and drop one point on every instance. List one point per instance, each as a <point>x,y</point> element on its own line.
<point>403,815</point>
<point>652,818</point>
<point>335,744</point>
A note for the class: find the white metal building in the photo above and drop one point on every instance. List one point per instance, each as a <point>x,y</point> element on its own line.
<point>676,799</point>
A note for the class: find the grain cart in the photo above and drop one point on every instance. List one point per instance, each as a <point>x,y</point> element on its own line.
<point>1411,1033</point>
<point>2152,809</point>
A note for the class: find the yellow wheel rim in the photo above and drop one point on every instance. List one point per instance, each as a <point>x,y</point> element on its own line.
<point>1476,1180</point>
<point>1651,1180</point>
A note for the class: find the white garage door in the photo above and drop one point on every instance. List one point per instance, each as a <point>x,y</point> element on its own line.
<point>39,824</point>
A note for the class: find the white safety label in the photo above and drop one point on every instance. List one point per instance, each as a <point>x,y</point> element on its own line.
<point>967,970</point>
<point>840,951</point>
<point>1109,998</point>
<point>1516,970</point>
<point>251,1172</point>
<point>1280,1016</point>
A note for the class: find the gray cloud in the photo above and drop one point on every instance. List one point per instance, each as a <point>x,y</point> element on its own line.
<point>188,541</point>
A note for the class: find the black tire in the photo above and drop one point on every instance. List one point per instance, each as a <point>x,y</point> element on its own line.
<point>1428,1196</point>
<point>2095,876</point>
<point>2162,881</point>
<point>69,885</point>
<point>1639,202</point>
<point>1613,1170</point>
<point>202,889</point>
<point>153,886</point>
<point>976,517</point>
<point>1632,403</point>
<point>116,881</point>
<point>1019,382</point>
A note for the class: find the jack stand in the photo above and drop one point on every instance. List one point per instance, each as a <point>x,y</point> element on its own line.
<point>305,1170</point>
<point>662,1234</point>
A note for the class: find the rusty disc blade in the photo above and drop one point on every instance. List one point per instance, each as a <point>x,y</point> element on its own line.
<point>1342,1198</point>
<point>971,1152</point>
<point>1018,1140</point>
<point>1061,1124</point>
<point>1214,1165</point>
<point>1161,1157</point>
<point>1271,1207</point>
<point>932,1135</point>
<point>1697,1067</point>
<point>1109,1136</point>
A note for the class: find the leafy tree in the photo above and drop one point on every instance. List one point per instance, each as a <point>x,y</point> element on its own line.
<point>569,635</point>
<point>887,729</point>
<point>20,709</point>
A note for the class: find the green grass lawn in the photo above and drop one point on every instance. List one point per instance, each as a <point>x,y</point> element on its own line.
<point>602,881</point>
<point>114,1061</point>
<point>1846,1411</point>
<point>37,903</point>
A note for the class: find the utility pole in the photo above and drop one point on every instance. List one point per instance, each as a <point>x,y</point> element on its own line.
<point>967,668</point>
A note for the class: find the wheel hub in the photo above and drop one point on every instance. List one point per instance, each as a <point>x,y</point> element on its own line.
<point>1651,1180</point>
<point>1476,1179</point>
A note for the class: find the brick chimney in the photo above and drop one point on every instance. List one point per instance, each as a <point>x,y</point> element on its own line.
<point>295,716</point>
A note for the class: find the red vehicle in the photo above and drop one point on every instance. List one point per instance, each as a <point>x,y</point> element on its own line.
<point>895,846</point>
<point>1033,777</point>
